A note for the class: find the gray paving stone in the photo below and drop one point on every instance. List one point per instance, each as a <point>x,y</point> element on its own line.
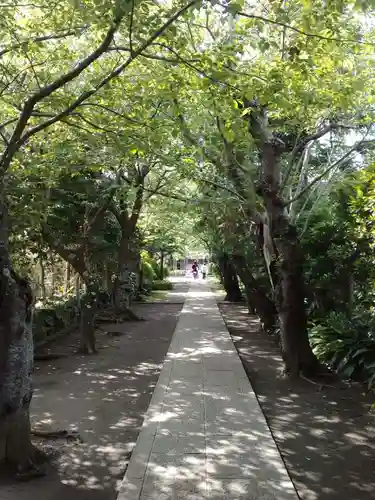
<point>205,436</point>
<point>245,465</point>
<point>170,468</point>
<point>193,489</point>
<point>249,489</point>
<point>175,426</point>
<point>130,489</point>
<point>140,456</point>
<point>180,444</point>
<point>184,407</point>
<point>239,444</point>
<point>185,387</point>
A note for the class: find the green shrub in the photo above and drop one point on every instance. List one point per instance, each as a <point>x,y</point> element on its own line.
<point>148,271</point>
<point>161,285</point>
<point>55,314</point>
<point>347,345</point>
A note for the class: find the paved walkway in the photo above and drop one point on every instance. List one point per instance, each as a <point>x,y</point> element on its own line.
<point>204,435</point>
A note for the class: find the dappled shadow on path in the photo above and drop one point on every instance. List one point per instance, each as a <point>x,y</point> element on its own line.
<point>205,435</point>
<point>104,398</point>
<point>326,437</point>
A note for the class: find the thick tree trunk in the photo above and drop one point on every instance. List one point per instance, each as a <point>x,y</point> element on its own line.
<point>127,264</point>
<point>16,365</point>
<point>230,280</point>
<point>297,353</point>
<point>257,298</point>
<point>16,359</point>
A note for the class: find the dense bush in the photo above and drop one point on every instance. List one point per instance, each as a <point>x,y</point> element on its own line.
<point>347,345</point>
<point>161,285</point>
<point>340,270</point>
<point>54,315</point>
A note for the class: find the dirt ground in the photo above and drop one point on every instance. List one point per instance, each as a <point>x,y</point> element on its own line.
<point>104,398</point>
<point>326,436</point>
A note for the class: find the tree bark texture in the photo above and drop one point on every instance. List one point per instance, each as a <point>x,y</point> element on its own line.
<point>128,262</point>
<point>230,280</point>
<point>16,366</point>
<point>257,298</point>
<point>297,353</point>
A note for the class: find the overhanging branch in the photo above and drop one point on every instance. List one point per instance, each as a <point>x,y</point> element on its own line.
<point>115,73</point>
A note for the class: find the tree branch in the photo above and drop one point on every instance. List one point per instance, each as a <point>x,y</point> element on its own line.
<point>114,112</point>
<point>191,139</point>
<point>85,95</point>
<point>301,32</point>
<point>17,139</point>
<point>131,27</point>
<point>43,38</point>
<point>356,147</point>
<point>137,206</point>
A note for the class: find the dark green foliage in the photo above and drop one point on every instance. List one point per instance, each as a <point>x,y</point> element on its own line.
<point>55,315</point>
<point>339,248</point>
<point>347,345</point>
<point>161,285</point>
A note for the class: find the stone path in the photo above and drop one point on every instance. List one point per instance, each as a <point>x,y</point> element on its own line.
<point>204,435</point>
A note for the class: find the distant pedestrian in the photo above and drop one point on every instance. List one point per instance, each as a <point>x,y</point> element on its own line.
<point>195,269</point>
<point>204,270</point>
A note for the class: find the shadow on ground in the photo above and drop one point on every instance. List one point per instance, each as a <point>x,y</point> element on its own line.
<point>104,398</point>
<point>326,436</point>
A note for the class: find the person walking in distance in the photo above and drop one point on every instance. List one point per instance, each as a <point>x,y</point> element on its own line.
<point>204,270</point>
<point>195,269</point>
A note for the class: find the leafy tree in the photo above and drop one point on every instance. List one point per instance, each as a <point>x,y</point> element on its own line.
<point>32,102</point>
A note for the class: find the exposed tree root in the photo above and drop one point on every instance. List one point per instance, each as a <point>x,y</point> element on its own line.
<point>35,465</point>
<point>121,315</point>
<point>33,472</point>
<point>109,319</point>
<point>320,385</point>
<point>58,434</point>
<point>115,334</point>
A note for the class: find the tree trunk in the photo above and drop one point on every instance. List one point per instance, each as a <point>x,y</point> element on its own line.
<point>88,301</point>
<point>53,275</point>
<point>256,296</point>
<point>67,278</point>
<point>16,363</point>
<point>230,280</point>
<point>42,276</point>
<point>89,309</point>
<point>127,264</point>
<point>78,288</point>
<point>108,279</point>
<point>297,353</point>
<point>161,265</point>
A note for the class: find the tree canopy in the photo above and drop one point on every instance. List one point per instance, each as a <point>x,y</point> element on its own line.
<point>129,126</point>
